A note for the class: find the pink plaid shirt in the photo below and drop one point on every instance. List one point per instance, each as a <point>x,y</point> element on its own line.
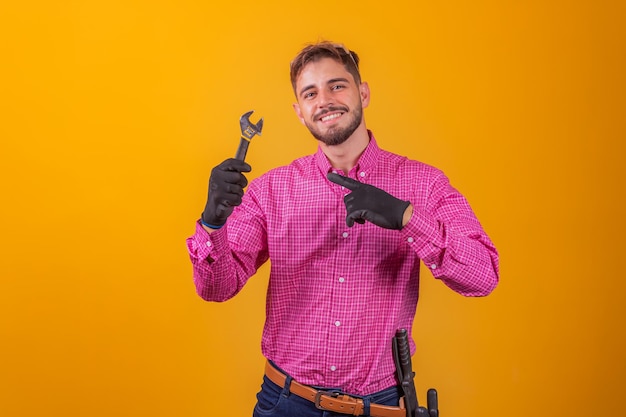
<point>336,294</point>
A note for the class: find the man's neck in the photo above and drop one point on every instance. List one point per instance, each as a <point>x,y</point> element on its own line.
<point>345,156</point>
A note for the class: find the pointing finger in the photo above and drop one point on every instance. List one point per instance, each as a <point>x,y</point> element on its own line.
<point>349,183</point>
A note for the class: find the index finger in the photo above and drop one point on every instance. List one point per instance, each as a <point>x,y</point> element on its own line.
<point>349,183</point>
<point>237,165</point>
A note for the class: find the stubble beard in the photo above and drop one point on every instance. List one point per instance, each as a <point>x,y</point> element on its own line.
<point>336,135</point>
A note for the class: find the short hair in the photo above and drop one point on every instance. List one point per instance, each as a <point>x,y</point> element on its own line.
<point>325,49</point>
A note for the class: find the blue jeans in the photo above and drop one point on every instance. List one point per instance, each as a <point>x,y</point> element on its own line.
<point>274,400</point>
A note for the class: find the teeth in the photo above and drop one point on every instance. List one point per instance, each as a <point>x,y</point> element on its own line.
<point>330,117</point>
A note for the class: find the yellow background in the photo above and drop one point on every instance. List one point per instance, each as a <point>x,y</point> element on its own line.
<point>112,114</point>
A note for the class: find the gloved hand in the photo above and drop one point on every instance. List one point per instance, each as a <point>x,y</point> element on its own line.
<point>225,191</point>
<point>367,202</point>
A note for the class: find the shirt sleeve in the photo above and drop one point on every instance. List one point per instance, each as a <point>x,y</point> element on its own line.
<point>448,238</point>
<point>225,259</point>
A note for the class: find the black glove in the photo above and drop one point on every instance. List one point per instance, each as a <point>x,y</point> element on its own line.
<point>367,202</point>
<point>225,191</point>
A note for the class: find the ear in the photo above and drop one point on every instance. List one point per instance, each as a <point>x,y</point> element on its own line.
<point>296,107</point>
<point>364,90</point>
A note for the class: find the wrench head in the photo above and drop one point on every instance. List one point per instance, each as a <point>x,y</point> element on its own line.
<point>249,129</point>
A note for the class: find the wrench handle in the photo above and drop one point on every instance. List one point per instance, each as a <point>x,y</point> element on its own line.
<point>243,149</point>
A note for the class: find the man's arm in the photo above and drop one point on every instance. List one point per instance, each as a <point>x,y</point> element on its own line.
<point>447,236</point>
<point>225,254</point>
<point>441,227</point>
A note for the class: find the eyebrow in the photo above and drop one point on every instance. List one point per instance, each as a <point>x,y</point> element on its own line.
<point>331,81</point>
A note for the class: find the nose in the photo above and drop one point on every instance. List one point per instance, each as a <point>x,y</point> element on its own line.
<point>324,99</point>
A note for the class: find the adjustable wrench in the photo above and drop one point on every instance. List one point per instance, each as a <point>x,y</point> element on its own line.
<point>248,130</point>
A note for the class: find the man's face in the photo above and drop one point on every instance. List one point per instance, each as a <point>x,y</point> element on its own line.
<point>330,104</point>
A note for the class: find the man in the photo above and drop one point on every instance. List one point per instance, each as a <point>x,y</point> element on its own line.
<point>338,291</point>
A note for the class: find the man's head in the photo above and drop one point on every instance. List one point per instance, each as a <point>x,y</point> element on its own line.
<point>317,51</point>
<point>330,93</point>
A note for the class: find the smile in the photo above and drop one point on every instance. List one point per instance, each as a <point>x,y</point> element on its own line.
<point>331,117</point>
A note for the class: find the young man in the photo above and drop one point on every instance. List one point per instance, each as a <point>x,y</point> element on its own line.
<point>338,291</point>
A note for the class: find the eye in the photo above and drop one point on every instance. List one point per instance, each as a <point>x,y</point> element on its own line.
<point>308,94</point>
<point>337,87</point>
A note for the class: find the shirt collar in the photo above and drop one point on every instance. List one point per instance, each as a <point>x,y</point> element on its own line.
<point>366,163</point>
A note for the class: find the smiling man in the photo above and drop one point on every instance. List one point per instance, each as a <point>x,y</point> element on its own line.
<point>330,100</point>
<point>338,291</point>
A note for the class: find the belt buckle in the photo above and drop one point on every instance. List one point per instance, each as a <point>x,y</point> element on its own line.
<point>318,396</point>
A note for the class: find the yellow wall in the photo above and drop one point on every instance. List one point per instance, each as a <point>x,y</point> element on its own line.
<point>113,113</point>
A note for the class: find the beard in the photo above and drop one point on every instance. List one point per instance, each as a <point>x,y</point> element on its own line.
<point>336,135</point>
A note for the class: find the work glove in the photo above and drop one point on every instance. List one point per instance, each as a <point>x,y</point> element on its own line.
<point>367,202</point>
<point>225,191</point>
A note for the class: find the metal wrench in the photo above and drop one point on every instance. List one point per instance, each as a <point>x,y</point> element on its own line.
<point>248,130</point>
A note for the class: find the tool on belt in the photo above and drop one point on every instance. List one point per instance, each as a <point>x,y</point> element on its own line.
<point>248,130</point>
<point>404,369</point>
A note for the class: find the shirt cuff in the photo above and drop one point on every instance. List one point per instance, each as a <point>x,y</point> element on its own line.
<point>209,244</point>
<point>423,235</point>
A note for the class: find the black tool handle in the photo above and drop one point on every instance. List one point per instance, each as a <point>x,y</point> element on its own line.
<point>243,149</point>
<point>433,403</point>
<point>402,354</point>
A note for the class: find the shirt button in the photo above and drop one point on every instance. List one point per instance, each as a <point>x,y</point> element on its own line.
<point>410,240</point>
<point>208,244</point>
<point>344,234</point>
<point>362,174</point>
<point>337,323</point>
<point>333,368</point>
<point>341,279</point>
<point>433,266</point>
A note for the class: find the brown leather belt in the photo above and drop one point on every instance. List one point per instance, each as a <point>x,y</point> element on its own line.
<point>330,401</point>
